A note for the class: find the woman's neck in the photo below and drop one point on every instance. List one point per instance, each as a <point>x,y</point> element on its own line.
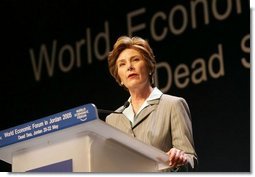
<point>138,96</point>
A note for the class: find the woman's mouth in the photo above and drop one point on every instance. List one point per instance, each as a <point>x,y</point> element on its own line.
<point>132,75</point>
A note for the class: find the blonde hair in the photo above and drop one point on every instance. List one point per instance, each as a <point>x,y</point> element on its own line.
<point>137,43</point>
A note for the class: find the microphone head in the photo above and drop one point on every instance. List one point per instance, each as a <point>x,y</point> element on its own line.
<point>126,104</point>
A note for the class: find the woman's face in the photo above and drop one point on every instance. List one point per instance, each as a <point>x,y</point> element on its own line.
<point>132,69</point>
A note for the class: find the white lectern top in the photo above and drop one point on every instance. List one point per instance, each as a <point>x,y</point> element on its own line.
<point>68,125</point>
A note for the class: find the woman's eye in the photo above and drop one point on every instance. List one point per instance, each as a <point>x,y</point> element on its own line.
<point>121,64</point>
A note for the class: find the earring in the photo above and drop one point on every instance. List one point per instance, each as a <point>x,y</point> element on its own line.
<point>121,83</point>
<point>150,73</point>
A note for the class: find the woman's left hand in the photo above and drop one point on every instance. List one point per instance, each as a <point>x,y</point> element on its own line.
<point>176,157</point>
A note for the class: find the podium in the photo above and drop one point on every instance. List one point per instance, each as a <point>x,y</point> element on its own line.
<point>76,140</point>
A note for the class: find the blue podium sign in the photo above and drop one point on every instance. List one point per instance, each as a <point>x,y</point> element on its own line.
<point>52,123</point>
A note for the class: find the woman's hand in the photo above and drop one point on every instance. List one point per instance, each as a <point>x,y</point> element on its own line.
<point>176,157</point>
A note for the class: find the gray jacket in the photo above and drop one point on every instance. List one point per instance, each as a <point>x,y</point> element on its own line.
<point>164,124</point>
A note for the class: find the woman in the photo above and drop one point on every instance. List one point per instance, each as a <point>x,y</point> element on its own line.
<point>155,118</point>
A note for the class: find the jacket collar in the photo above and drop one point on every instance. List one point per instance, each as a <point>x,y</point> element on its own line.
<point>153,104</point>
<point>151,100</point>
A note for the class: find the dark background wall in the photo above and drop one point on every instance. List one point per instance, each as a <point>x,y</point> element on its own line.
<point>53,58</point>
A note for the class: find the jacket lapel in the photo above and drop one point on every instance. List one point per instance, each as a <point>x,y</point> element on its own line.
<point>125,121</point>
<point>153,104</point>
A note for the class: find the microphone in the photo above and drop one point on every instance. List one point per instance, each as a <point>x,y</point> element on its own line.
<point>104,111</point>
<point>126,104</point>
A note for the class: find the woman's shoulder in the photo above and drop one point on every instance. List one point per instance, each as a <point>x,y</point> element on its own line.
<point>171,98</point>
<point>111,118</point>
<point>174,101</point>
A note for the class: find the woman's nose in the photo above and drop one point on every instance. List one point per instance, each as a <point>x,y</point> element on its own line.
<point>130,67</point>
